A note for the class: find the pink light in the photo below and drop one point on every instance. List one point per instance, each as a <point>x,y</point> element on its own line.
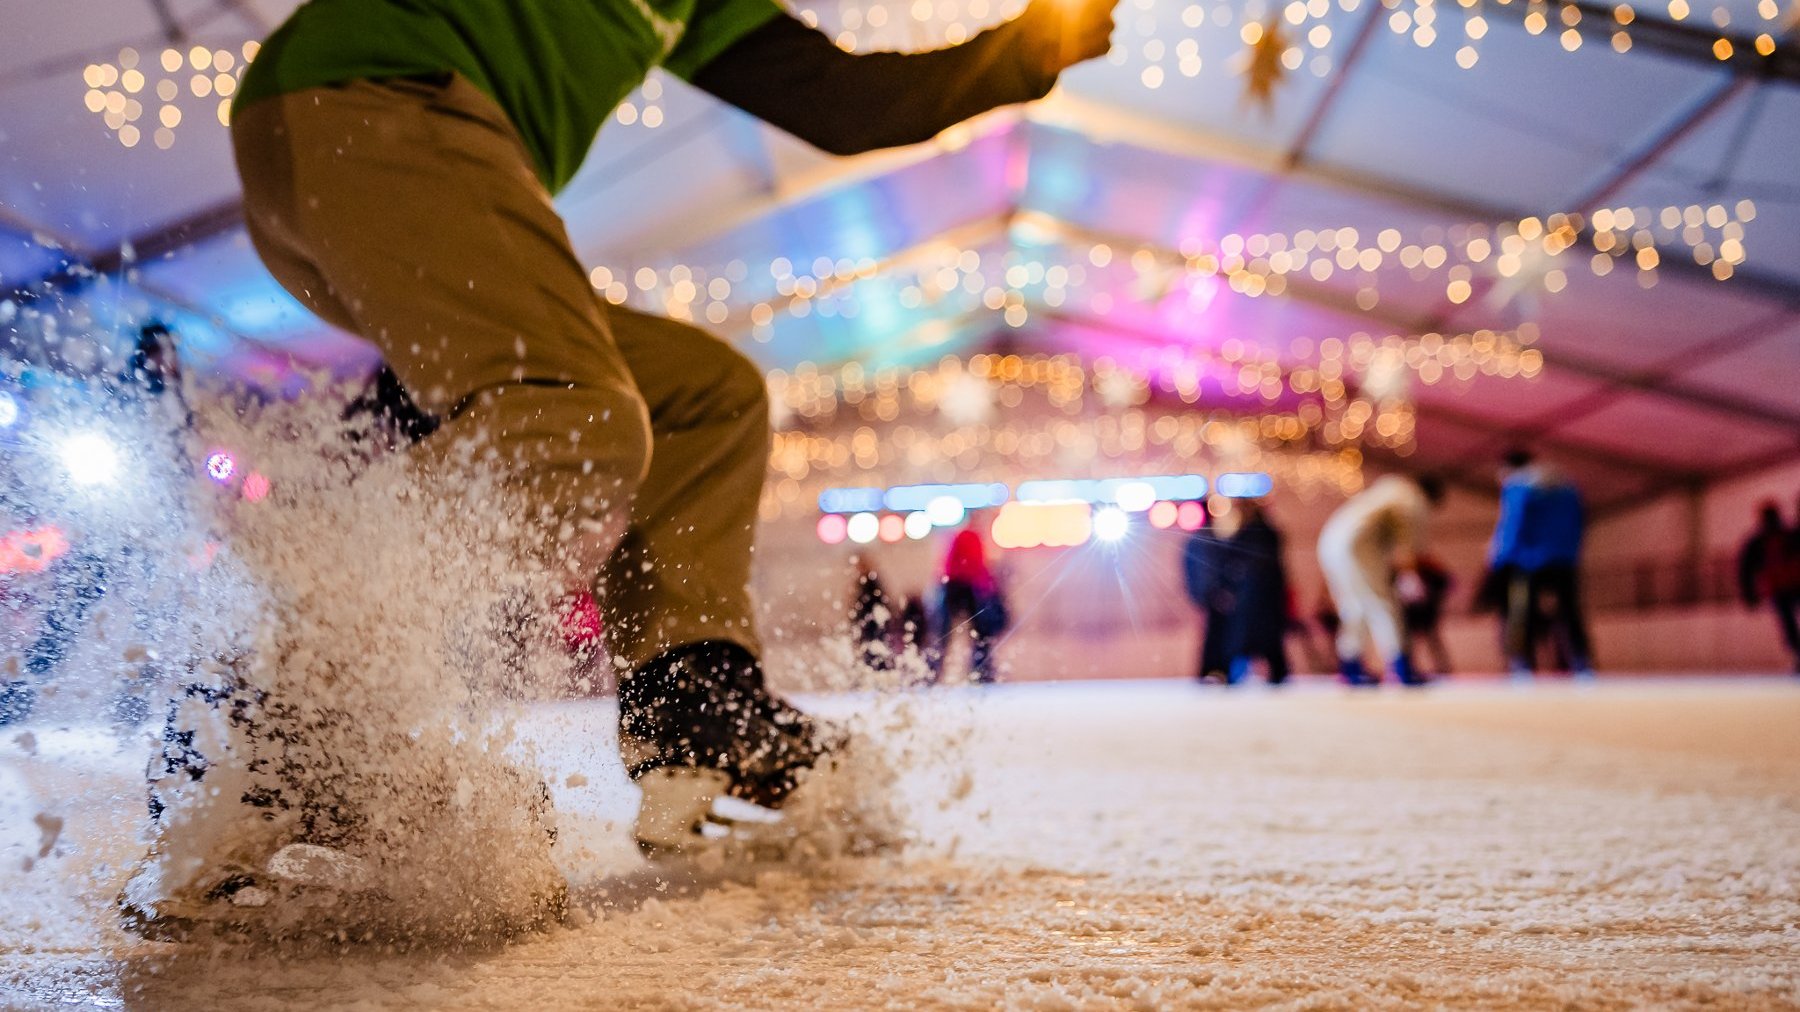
<point>832,528</point>
<point>1163,515</point>
<point>893,528</point>
<point>578,619</point>
<point>31,551</point>
<point>1190,515</point>
<point>256,487</point>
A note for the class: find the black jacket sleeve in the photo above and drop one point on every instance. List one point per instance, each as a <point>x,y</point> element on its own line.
<point>795,78</point>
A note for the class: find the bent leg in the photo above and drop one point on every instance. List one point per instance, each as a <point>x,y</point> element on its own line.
<point>407,212</point>
<point>682,572</point>
<point>1343,579</point>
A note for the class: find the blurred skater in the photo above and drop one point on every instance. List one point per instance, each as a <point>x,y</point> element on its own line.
<point>912,630</point>
<point>1257,582</point>
<point>1769,570</point>
<point>1367,547</point>
<point>1202,570</point>
<point>1423,613</point>
<point>871,620</point>
<point>1536,549</point>
<point>969,596</point>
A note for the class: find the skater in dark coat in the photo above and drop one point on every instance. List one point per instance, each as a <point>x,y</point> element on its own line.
<point>1537,545</point>
<point>1202,564</point>
<point>871,619</point>
<point>1422,612</point>
<point>1769,570</point>
<point>1257,583</point>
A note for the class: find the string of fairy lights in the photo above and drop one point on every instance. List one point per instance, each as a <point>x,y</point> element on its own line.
<point>940,423</point>
<point>1302,422</point>
<point>1160,39</point>
<point>122,91</point>
<point>1049,264</point>
<point>1340,393</point>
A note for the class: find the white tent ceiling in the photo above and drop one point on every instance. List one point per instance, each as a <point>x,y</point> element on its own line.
<point>1644,389</point>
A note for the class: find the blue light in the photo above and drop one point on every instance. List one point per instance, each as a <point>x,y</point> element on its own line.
<point>908,498</point>
<point>1174,487</point>
<point>850,500</point>
<point>1245,485</point>
<point>1058,490</point>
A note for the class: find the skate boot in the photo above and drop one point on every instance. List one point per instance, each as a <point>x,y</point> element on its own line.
<point>697,724</point>
<point>1408,674</point>
<point>1353,673</point>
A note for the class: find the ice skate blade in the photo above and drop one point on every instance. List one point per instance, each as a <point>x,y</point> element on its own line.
<point>719,840</point>
<point>676,801</point>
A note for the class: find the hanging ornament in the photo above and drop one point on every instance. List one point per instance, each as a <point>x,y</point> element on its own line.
<point>1264,70</point>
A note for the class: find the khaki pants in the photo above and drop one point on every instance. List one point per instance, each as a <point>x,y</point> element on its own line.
<point>406,211</point>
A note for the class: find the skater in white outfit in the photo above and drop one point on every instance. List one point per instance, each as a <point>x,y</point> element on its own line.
<point>1367,548</point>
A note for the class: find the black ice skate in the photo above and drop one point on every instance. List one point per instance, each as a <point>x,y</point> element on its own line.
<point>698,723</point>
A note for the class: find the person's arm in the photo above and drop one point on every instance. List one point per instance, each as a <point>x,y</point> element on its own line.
<point>1506,529</point>
<point>793,77</point>
<point>1411,519</point>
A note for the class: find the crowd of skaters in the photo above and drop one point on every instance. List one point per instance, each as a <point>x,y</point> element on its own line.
<point>1385,592</point>
<point>1381,608</point>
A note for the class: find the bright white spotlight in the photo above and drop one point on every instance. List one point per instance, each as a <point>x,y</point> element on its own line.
<point>9,410</point>
<point>863,528</point>
<point>1111,524</point>
<point>918,526</point>
<point>946,511</point>
<point>1135,496</point>
<point>220,466</point>
<point>89,457</point>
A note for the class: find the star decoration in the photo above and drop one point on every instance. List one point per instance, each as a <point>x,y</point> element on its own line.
<point>1264,71</point>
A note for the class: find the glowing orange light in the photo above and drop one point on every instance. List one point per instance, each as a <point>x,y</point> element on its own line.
<point>1043,525</point>
<point>1163,515</point>
<point>893,528</point>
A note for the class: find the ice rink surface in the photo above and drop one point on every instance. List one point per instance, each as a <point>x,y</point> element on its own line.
<point>1118,845</point>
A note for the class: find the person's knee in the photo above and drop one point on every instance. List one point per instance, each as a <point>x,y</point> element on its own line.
<point>580,449</point>
<point>743,391</point>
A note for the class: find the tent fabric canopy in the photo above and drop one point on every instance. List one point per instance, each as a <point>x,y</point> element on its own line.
<point>1643,389</point>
